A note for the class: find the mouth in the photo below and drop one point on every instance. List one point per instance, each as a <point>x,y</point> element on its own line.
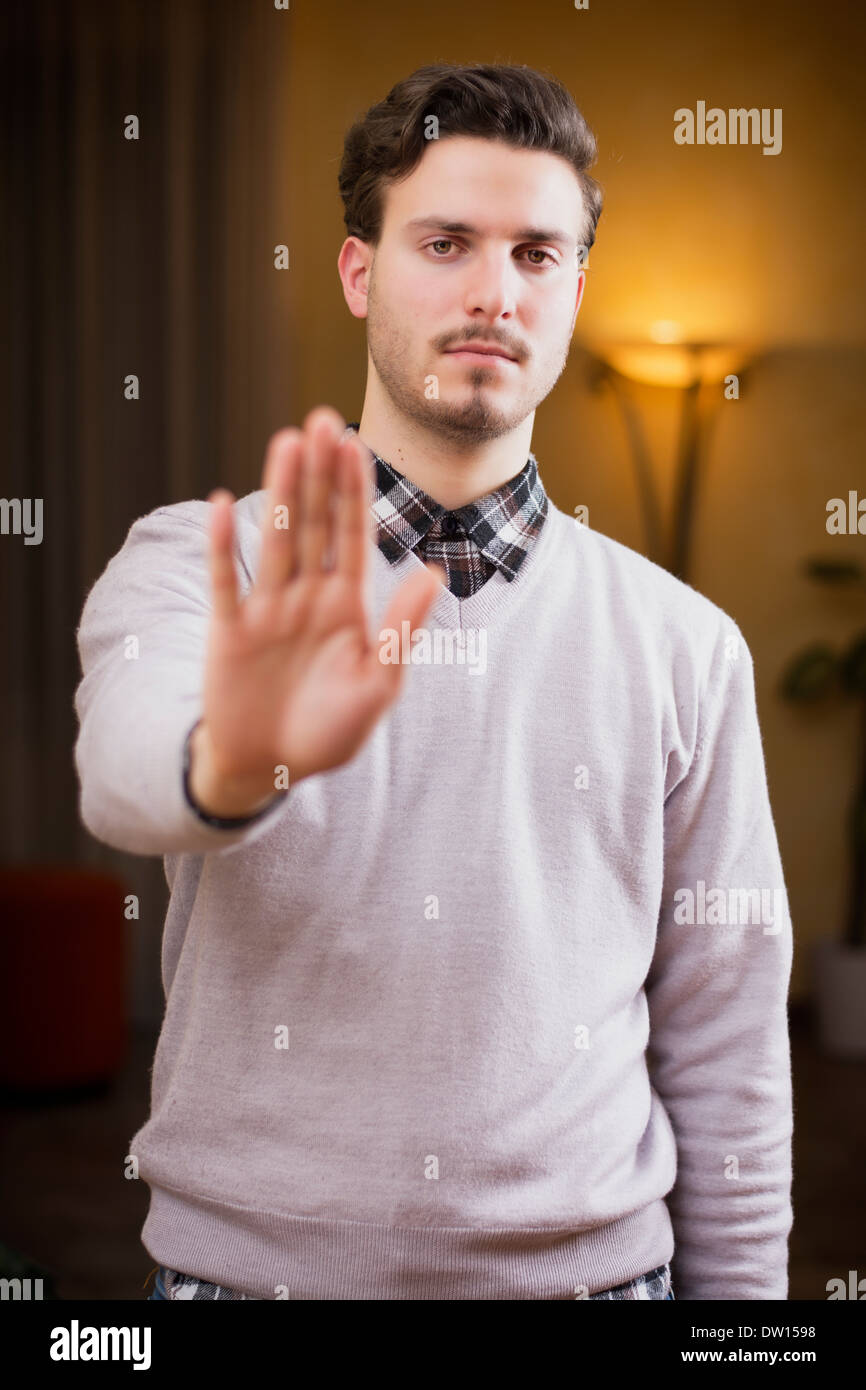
<point>480,354</point>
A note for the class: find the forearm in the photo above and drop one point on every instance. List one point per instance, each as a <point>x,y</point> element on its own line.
<point>729,1103</point>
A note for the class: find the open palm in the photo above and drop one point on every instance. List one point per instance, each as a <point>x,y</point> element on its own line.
<point>292,677</point>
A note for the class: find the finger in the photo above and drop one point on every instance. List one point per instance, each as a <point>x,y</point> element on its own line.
<point>322,435</point>
<point>411,603</point>
<point>223,579</point>
<point>354,522</point>
<point>279,523</point>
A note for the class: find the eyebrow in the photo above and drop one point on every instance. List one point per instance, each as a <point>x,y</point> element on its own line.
<point>523,234</point>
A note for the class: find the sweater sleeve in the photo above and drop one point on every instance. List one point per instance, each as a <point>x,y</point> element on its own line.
<point>717,988</point>
<point>142,643</point>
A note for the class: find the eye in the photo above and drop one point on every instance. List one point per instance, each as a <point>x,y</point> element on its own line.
<point>536,250</point>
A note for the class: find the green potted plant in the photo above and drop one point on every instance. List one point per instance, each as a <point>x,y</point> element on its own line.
<point>815,674</point>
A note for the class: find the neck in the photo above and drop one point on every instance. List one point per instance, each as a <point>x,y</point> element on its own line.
<point>453,474</point>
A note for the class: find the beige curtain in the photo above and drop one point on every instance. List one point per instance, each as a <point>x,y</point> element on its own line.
<point>151,257</point>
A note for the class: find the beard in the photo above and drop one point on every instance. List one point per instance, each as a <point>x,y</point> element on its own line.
<point>476,418</point>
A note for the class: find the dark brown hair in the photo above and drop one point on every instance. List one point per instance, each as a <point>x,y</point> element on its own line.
<point>515,104</point>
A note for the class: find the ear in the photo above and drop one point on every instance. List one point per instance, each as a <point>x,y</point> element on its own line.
<point>581,285</point>
<point>353,264</point>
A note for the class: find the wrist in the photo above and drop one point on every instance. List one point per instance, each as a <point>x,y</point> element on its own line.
<point>220,794</point>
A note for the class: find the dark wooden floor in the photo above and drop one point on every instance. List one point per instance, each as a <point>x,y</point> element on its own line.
<point>66,1204</point>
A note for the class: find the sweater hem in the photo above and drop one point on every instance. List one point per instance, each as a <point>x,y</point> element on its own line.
<point>268,1255</point>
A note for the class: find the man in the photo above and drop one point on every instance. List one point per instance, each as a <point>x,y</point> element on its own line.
<point>464,996</point>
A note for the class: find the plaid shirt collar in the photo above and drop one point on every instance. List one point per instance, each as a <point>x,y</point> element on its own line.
<point>471,542</point>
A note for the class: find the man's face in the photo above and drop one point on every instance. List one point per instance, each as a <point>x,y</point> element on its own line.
<point>504,278</point>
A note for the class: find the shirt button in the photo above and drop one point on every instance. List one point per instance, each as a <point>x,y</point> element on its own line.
<point>450,524</point>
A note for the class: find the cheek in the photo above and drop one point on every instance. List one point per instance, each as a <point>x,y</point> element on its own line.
<point>432,301</point>
<point>434,294</point>
<point>415,302</point>
<point>551,324</point>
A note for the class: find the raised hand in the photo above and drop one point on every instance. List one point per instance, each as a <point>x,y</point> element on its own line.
<point>292,676</point>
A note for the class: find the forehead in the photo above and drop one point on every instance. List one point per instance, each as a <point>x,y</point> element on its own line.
<point>486,183</point>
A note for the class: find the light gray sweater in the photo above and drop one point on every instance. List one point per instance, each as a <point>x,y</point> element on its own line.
<point>497,1010</point>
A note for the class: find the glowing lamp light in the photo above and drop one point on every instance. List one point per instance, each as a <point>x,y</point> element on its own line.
<point>664,358</point>
<point>667,361</point>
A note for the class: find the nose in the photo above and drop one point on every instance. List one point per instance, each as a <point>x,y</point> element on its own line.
<point>491,285</point>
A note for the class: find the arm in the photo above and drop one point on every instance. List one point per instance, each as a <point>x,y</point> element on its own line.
<point>717,992</point>
<point>284,677</point>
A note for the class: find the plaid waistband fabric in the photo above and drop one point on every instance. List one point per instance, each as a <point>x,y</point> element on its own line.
<point>655,1284</point>
<point>494,533</point>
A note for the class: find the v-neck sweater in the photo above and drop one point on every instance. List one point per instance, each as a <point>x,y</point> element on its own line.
<point>475,1015</point>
